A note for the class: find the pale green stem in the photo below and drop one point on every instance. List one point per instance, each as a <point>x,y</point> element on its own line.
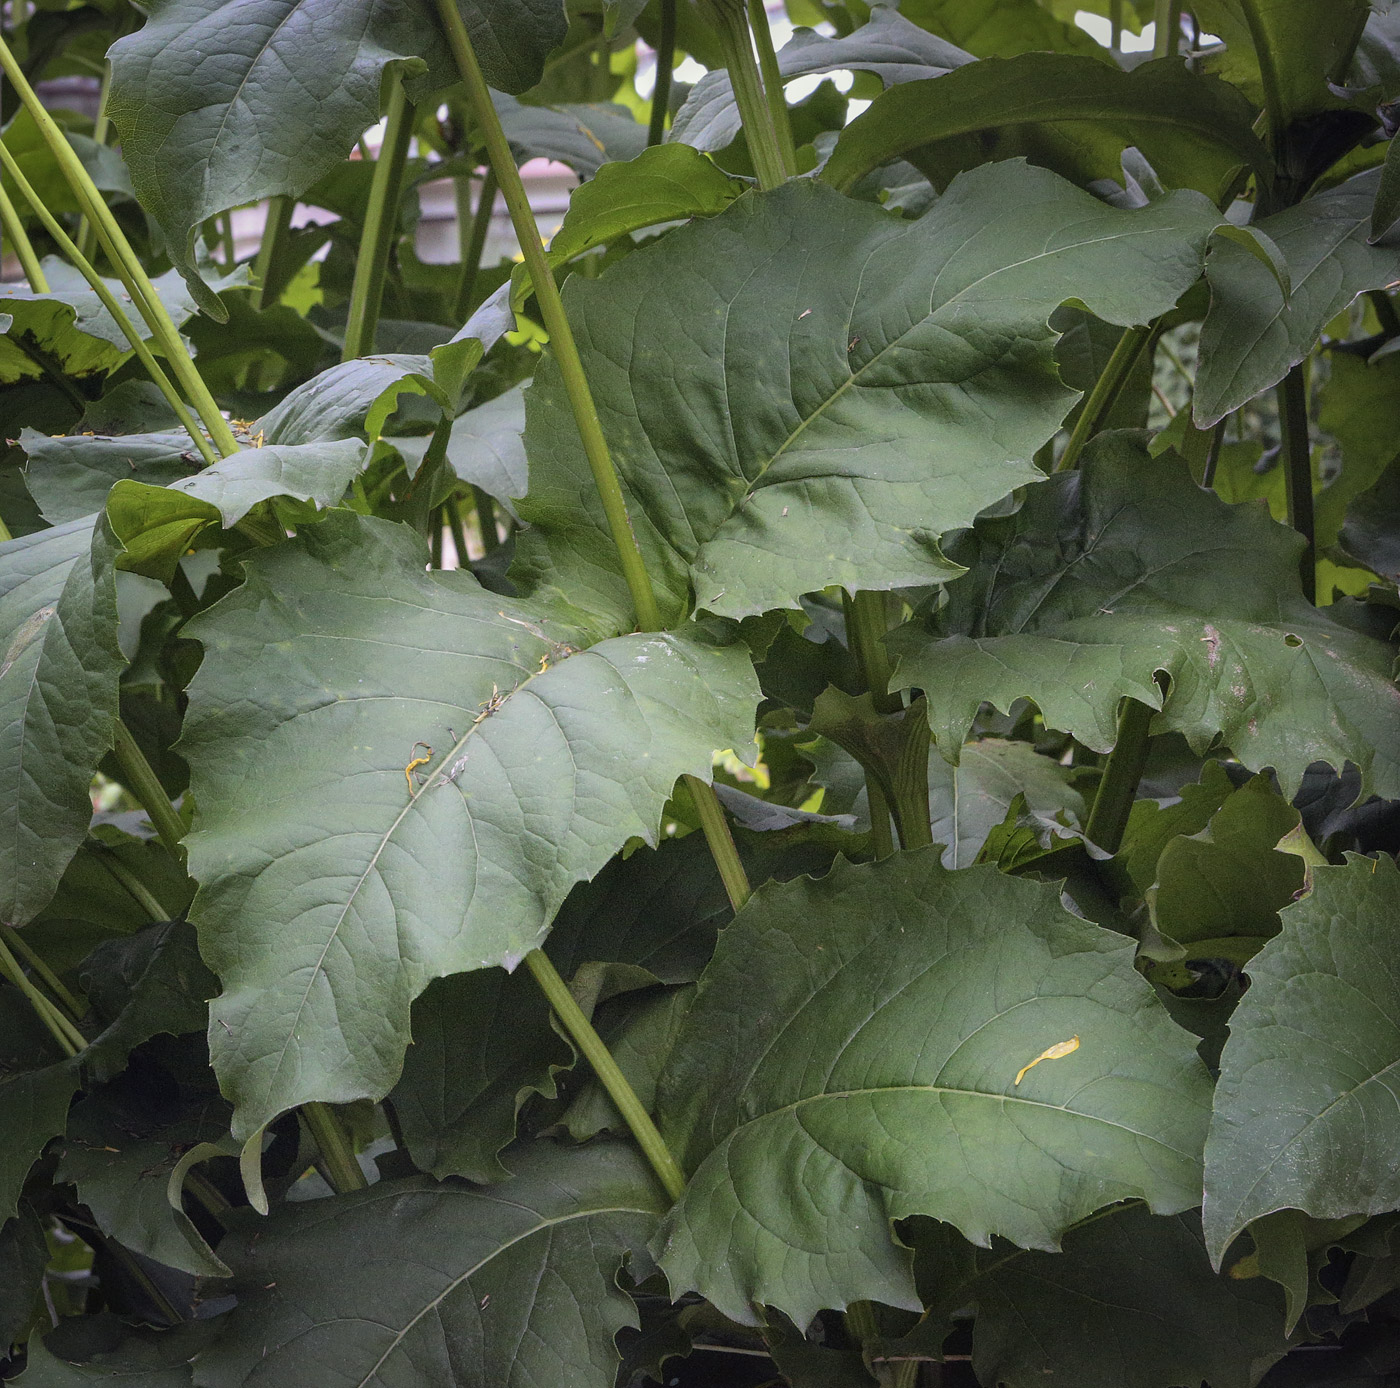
<point>1115,23</point>
<point>773,85</point>
<point>1114,799</point>
<point>721,842</point>
<point>55,984</point>
<point>101,130</point>
<point>1105,392</point>
<point>473,232</point>
<point>123,258</point>
<point>866,624</point>
<point>1167,22</point>
<point>133,886</point>
<point>381,226</point>
<point>342,1169</point>
<point>459,531</point>
<point>142,782</point>
<point>24,249</point>
<point>109,302</point>
<point>69,1038</point>
<point>275,228</point>
<point>588,1041</point>
<point>730,21</point>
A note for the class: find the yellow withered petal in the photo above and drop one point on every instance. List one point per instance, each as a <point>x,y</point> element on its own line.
<point>1056,1052</point>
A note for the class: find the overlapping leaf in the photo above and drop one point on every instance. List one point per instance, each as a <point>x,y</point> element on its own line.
<point>511,1285</point>
<point>805,390</point>
<point>1309,1092</point>
<point>852,1057</point>
<point>332,889</point>
<point>1127,568</point>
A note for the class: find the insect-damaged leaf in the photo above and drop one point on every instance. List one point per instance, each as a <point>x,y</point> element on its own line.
<point>331,890</point>
<point>807,390</point>
<point>1125,568</point>
<point>851,1059</point>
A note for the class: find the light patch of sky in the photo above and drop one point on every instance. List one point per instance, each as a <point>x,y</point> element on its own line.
<point>1099,29</point>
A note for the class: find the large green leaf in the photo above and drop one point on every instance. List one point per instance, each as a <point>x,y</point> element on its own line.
<point>36,1085</point>
<point>852,1057</point>
<point>1251,336</point>
<point>59,664</point>
<point>1104,577</point>
<point>1309,1093</point>
<point>509,1286</point>
<point>221,102</point>
<point>70,476</point>
<point>846,387</point>
<point>889,46</point>
<point>1073,114</point>
<point>1130,1303</point>
<point>332,891</point>
<point>24,1253</point>
<point>583,136</point>
<point>1004,29</point>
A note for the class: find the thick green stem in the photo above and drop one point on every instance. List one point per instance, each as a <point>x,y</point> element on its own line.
<point>381,226</point>
<point>588,1041</point>
<point>910,806</point>
<point>1114,800</point>
<point>1167,22</point>
<point>338,1157</point>
<point>274,238</point>
<point>773,85</point>
<point>881,831</point>
<point>474,243</point>
<point>142,782</point>
<point>552,308</point>
<point>1105,392</point>
<point>665,64</point>
<point>721,842</point>
<point>69,1038</point>
<point>133,886</point>
<point>24,250</point>
<point>51,980</point>
<point>867,621</point>
<point>109,302</point>
<point>124,259</point>
<point>1297,463</point>
<point>486,521</point>
<point>729,19</point>
<point>1115,26</point>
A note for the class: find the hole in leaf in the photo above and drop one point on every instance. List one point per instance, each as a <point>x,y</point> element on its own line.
<point>1291,640</point>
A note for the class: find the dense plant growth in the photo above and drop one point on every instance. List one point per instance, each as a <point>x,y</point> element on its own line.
<point>819,809</point>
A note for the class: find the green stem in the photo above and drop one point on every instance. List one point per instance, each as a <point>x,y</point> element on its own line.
<point>474,243</point>
<point>70,1040</point>
<point>729,20</point>
<point>1297,462</point>
<point>773,85</point>
<point>1109,816</point>
<point>24,249</point>
<point>588,1041</point>
<point>142,782</point>
<point>102,127</point>
<point>216,1205</point>
<point>133,886</point>
<point>881,832</point>
<point>109,302</point>
<point>459,533</point>
<point>276,225</point>
<point>911,808</point>
<point>1217,438</point>
<point>556,323</point>
<point>342,1169</point>
<point>223,224</point>
<point>55,984</point>
<point>867,621</point>
<point>381,226</point>
<point>1384,309</point>
<point>1115,26</point>
<point>124,259</point>
<point>486,521</point>
<point>1269,79</point>
<point>665,65</point>
<point>721,842</point>
<point>1167,20</point>
<point>1105,392</point>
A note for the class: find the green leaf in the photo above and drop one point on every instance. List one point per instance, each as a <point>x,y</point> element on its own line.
<point>116,1353</point>
<point>1385,212</point>
<point>1002,30</point>
<point>24,1253</point>
<point>1106,577</point>
<point>1219,892</point>
<point>1073,114</point>
<point>1371,531</point>
<point>584,136</point>
<point>1251,336</point>
<point>59,664</point>
<point>70,476</point>
<point>1130,1303</point>
<point>219,105</point>
<point>1152,826</point>
<point>1307,1102</point>
<point>511,1284</point>
<point>822,417</point>
<point>851,1059</point>
<point>1360,407</point>
<point>332,892</point>
<point>888,45</point>
<point>485,447</point>
<point>352,399</point>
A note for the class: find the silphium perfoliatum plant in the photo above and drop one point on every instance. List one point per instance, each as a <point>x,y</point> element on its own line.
<point>802,777</point>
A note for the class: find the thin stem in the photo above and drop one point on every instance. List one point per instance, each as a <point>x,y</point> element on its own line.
<point>277,224</point>
<point>24,249</point>
<point>665,64</point>
<point>68,1037</point>
<point>134,886</point>
<point>459,532</point>
<point>51,979</point>
<point>381,226</point>
<point>1297,462</point>
<point>773,85</point>
<point>216,1205</point>
<point>881,831</point>
<point>342,1169</point>
<point>109,302</point>
<point>1105,392</point>
<point>588,1041</point>
<point>486,521</point>
<point>1167,19</point>
<point>1115,26</point>
<point>730,22</point>
<point>1217,438</point>
<point>475,244</point>
<point>223,224</point>
<point>721,842</point>
<point>552,309</point>
<point>142,782</point>
<point>123,258</point>
<point>87,234</point>
<point>1109,817</point>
